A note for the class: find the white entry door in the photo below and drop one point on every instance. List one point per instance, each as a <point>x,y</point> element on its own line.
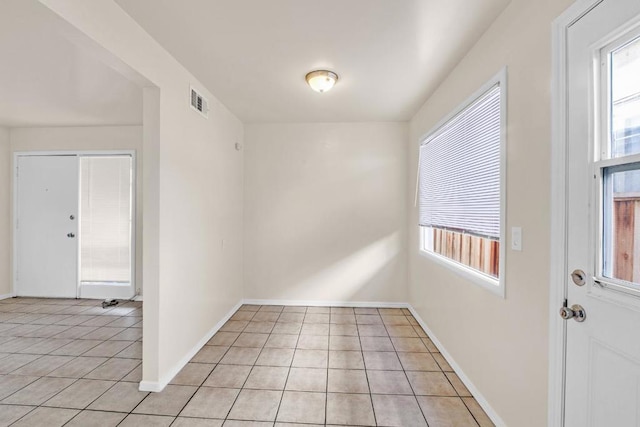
<point>47,226</point>
<point>603,350</point>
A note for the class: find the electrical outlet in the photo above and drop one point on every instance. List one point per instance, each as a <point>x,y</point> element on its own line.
<point>516,238</point>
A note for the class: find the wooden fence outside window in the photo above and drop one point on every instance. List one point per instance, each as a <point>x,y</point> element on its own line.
<point>480,253</point>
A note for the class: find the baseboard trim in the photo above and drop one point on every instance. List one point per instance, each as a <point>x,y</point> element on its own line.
<point>152,386</point>
<point>491,413</point>
<point>158,386</point>
<point>137,298</point>
<point>313,303</point>
<point>6,296</point>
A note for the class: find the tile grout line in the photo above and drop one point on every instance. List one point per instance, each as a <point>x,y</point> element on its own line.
<point>326,391</point>
<point>446,376</point>
<point>85,408</point>
<point>373,409</point>
<point>295,350</point>
<point>252,366</point>
<point>405,372</point>
<point>135,406</point>
<point>45,338</point>
<point>216,365</point>
<point>40,404</point>
<point>75,380</point>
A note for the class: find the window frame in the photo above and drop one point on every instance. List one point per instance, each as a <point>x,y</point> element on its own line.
<point>604,161</point>
<point>494,285</point>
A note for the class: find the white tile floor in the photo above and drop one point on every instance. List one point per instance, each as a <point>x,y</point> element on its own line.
<point>69,362</point>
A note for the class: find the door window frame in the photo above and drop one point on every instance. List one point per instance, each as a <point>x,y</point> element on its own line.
<point>81,292</point>
<point>602,159</point>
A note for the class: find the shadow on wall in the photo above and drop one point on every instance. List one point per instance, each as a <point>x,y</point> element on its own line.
<point>353,275</point>
<point>328,236</point>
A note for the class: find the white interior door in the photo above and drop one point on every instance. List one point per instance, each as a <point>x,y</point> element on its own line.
<point>603,351</point>
<point>47,226</point>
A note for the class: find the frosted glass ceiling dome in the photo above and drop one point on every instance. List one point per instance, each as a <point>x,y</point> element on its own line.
<point>321,80</point>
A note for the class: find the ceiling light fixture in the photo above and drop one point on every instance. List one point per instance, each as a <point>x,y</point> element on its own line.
<point>321,80</point>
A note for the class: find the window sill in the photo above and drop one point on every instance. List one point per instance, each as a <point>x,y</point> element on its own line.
<point>495,286</point>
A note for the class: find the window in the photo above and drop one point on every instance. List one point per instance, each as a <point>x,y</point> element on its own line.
<point>461,195</point>
<point>106,219</point>
<point>619,166</point>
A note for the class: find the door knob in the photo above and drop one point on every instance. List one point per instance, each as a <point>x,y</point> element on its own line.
<point>575,312</point>
<point>71,235</point>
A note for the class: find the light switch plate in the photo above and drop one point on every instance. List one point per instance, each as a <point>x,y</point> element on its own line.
<point>516,238</point>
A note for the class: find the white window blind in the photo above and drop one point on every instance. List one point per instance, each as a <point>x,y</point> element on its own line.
<point>105,218</point>
<point>459,172</point>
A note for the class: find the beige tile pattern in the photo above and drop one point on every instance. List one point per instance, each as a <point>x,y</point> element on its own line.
<point>229,376</point>
<point>137,420</point>
<point>193,374</point>
<point>350,409</point>
<point>39,391</point>
<point>478,413</point>
<point>347,381</point>
<point>209,402</point>
<point>307,379</point>
<point>80,394</point>
<point>256,405</point>
<point>302,407</point>
<point>345,359</point>
<point>122,397</point>
<point>397,411</point>
<point>267,378</point>
<point>446,411</point>
<point>49,417</point>
<point>96,419</point>
<point>70,362</point>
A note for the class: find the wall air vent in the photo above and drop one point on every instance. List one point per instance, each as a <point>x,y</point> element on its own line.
<point>199,103</point>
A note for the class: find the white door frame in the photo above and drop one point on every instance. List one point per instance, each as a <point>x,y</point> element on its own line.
<point>77,153</point>
<point>558,250</point>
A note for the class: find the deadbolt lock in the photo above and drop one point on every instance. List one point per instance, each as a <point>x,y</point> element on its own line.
<point>579,277</point>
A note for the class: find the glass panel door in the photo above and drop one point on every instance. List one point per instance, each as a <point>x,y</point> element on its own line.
<point>106,214</point>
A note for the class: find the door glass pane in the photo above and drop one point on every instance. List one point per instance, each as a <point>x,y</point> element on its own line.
<point>105,219</point>
<point>622,223</point>
<point>625,99</point>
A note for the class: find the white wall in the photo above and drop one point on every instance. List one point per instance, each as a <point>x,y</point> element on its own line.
<point>325,211</point>
<point>501,344</point>
<point>193,191</point>
<point>89,138</point>
<point>5,210</point>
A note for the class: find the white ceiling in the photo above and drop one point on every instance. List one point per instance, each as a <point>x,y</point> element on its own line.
<point>253,54</point>
<point>45,80</point>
